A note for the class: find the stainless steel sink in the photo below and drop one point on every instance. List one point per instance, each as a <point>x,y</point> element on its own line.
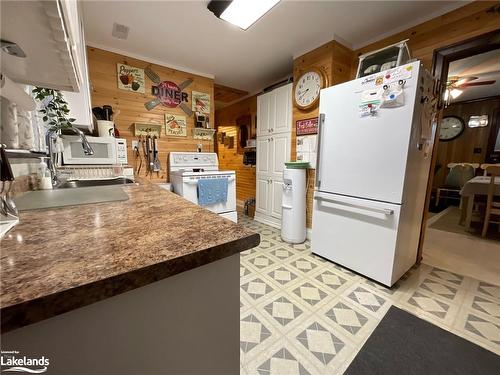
<point>92,183</point>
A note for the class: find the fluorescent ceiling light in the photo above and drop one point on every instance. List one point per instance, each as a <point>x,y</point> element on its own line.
<point>455,93</point>
<point>242,13</point>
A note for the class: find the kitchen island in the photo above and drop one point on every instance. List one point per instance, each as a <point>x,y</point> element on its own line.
<point>146,285</point>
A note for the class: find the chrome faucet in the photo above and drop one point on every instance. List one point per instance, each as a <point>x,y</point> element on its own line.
<point>51,138</point>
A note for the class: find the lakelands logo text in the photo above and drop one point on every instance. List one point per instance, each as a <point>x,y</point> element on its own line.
<point>12,362</point>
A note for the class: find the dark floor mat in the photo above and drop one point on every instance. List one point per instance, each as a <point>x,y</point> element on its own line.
<point>405,344</point>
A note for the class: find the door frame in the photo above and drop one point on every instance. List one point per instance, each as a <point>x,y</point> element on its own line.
<point>442,57</point>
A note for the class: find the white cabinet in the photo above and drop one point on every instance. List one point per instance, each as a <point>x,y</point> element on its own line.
<point>276,196</point>
<point>263,165</point>
<point>48,32</point>
<point>280,153</point>
<point>263,111</point>
<point>262,200</point>
<point>283,109</point>
<point>274,125</point>
<point>79,103</point>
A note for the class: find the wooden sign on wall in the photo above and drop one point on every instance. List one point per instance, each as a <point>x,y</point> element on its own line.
<point>130,78</point>
<point>307,126</point>
<point>175,125</point>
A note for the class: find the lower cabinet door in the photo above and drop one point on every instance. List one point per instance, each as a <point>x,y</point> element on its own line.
<point>276,196</point>
<point>262,195</point>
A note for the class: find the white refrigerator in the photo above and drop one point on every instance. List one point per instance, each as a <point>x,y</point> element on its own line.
<point>374,151</point>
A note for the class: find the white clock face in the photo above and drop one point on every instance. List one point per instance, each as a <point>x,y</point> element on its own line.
<point>307,88</point>
<point>451,128</point>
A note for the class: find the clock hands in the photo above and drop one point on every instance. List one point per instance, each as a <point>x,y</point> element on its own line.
<point>301,95</point>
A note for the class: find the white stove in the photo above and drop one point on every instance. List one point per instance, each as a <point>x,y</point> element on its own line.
<point>187,168</point>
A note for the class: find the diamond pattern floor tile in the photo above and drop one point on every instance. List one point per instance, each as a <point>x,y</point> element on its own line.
<point>346,317</point>
<point>283,310</point>
<point>302,314</point>
<point>320,342</point>
<point>367,299</point>
<point>252,333</point>
<point>257,288</point>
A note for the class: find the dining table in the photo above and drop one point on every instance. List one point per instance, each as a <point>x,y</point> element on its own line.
<point>474,187</point>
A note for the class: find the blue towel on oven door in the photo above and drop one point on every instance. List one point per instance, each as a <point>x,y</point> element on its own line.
<point>212,191</point>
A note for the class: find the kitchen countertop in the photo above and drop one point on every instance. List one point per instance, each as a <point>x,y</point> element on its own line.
<point>57,260</point>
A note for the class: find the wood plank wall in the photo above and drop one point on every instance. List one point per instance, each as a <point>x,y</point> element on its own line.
<point>464,23</point>
<point>225,121</point>
<point>335,60</point>
<point>103,77</point>
<point>230,159</point>
<point>462,148</point>
<point>461,24</point>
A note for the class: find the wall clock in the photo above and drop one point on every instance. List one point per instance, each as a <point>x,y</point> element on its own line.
<point>451,128</point>
<point>306,90</point>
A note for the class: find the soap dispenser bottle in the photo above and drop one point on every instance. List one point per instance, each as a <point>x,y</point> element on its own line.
<point>44,175</point>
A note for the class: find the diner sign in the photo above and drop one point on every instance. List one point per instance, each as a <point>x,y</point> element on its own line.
<point>307,126</point>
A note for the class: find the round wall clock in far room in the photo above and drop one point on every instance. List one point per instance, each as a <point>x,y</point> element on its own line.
<point>307,87</point>
<point>451,128</point>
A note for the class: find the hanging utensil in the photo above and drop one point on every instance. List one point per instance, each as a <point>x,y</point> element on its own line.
<point>150,155</point>
<point>156,160</point>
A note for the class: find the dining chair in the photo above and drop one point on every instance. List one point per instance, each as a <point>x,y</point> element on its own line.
<point>484,166</point>
<point>458,175</point>
<point>492,206</point>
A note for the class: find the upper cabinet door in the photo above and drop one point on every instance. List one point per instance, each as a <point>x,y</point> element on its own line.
<point>263,155</point>
<point>48,32</point>
<point>263,109</point>
<point>280,153</point>
<point>283,122</point>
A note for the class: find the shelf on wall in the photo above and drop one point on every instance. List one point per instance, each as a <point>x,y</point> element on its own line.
<point>203,134</point>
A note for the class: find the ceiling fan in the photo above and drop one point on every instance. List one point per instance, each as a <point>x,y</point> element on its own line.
<point>456,84</point>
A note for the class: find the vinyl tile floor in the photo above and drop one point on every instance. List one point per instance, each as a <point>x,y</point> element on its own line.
<point>301,314</point>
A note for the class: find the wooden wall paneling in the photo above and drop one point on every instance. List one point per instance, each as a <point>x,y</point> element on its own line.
<point>461,24</point>
<point>336,60</point>
<point>462,148</point>
<point>225,121</point>
<point>103,77</point>
<point>230,159</point>
<point>226,94</point>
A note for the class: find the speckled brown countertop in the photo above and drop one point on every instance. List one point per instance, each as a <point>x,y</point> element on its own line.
<point>56,260</point>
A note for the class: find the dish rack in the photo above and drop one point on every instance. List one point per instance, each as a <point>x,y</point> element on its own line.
<point>92,172</point>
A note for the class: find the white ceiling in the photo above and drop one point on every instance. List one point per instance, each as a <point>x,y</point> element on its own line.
<point>486,67</point>
<point>186,35</point>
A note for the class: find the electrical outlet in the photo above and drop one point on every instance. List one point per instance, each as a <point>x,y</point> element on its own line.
<point>135,144</point>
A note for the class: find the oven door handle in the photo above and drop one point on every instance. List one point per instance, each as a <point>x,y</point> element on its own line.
<point>195,182</point>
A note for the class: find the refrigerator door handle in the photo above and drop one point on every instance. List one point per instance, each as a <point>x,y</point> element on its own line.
<point>384,211</point>
<point>321,122</point>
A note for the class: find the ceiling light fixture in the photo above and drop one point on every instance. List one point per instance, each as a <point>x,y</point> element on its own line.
<point>242,13</point>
